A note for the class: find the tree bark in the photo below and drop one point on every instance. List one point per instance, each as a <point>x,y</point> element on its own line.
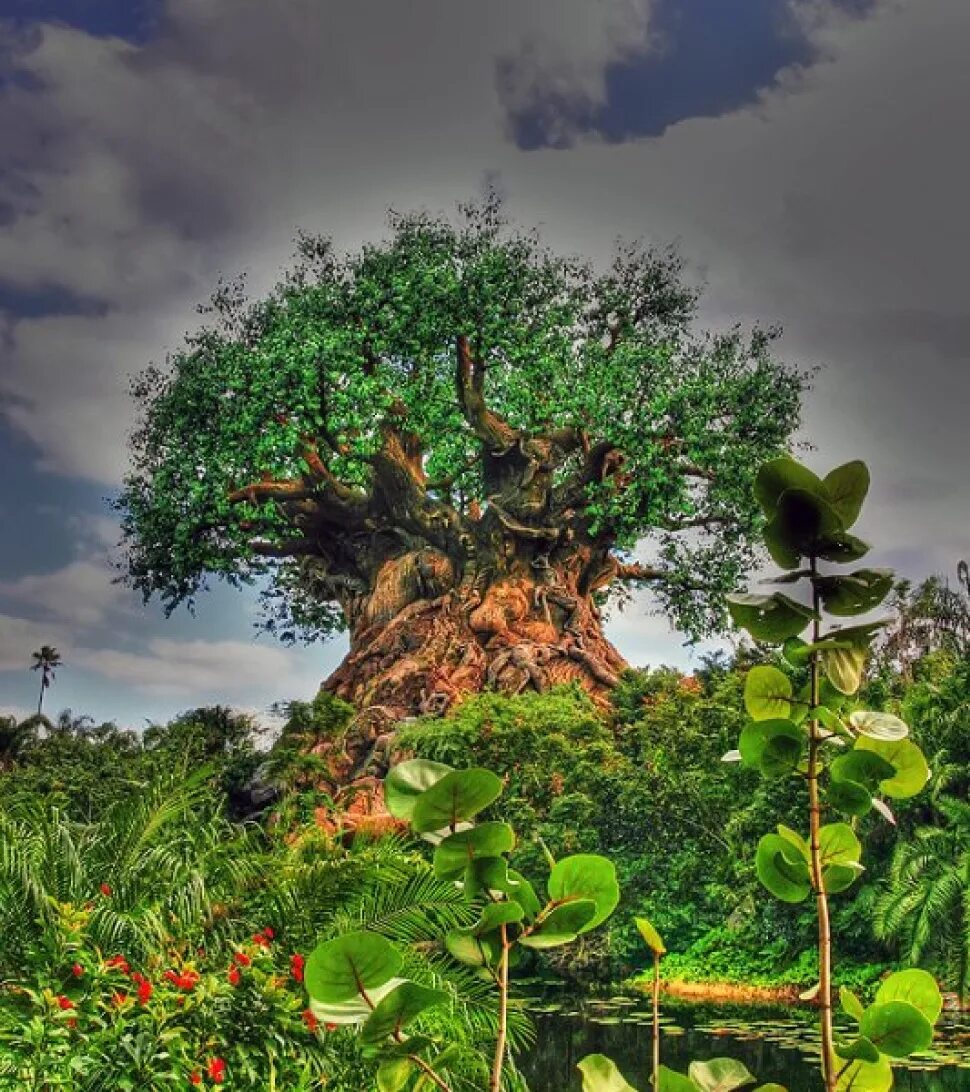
<point>509,614</point>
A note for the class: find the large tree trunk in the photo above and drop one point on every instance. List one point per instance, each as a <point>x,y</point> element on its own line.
<point>435,628</point>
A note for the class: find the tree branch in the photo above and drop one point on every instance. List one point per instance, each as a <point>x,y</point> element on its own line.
<point>470,385</point>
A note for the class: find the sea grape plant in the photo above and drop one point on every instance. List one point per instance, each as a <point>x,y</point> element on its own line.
<point>353,979</point>
<point>850,758</point>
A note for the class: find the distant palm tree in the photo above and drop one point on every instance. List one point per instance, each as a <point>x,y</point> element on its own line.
<point>45,661</point>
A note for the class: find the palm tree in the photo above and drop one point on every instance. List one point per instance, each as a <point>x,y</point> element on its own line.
<point>926,902</point>
<point>45,661</point>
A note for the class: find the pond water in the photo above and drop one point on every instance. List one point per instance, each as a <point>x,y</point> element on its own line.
<point>775,1043</point>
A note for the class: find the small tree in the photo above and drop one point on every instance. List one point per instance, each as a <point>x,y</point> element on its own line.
<point>45,661</point>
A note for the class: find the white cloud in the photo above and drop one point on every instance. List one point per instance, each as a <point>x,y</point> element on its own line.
<point>233,672</point>
<point>81,594</point>
<point>19,637</point>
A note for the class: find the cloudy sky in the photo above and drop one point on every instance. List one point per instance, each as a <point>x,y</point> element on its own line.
<point>809,157</point>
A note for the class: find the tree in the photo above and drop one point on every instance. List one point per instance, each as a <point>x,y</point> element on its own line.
<point>450,443</point>
<point>45,661</point>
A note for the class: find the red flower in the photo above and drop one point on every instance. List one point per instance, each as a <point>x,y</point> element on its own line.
<point>64,1002</point>
<point>312,1023</point>
<point>269,932</point>
<point>144,990</point>
<point>105,890</point>
<point>217,1070</point>
<point>195,1077</point>
<point>72,1023</point>
<point>241,958</point>
<point>261,940</point>
<point>118,962</point>
<point>234,976</point>
<point>297,963</point>
<point>187,980</point>
<point>119,999</point>
<point>77,970</point>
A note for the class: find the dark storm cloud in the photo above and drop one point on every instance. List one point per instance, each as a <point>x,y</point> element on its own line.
<point>703,58</point>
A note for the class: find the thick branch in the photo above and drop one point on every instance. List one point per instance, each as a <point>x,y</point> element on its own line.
<point>470,383</point>
<point>637,573</point>
<point>291,489</point>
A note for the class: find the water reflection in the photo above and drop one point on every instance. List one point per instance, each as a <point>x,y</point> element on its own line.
<point>776,1044</point>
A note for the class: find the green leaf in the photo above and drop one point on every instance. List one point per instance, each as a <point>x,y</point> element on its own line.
<point>910,770</point>
<point>857,1048</point>
<point>862,767</point>
<point>407,781</point>
<point>338,969</point>
<point>586,876</point>
<point>850,1003</point>
<point>767,693</point>
<point>456,797</point>
<point>783,554</point>
<point>917,987</point>
<point>493,875</point>
<point>772,618</point>
<point>393,1074</point>
<point>841,548</point>
<point>838,844</point>
<point>772,746</point>
<point>398,1009</point>
<point>719,1075</point>
<point>672,1081</point>
<point>804,518</point>
<point>455,853</point>
<point>849,797</point>
<point>854,593</point>
<point>474,951</point>
<point>897,1028</point>
<point>846,487</point>
<point>837,877</point>
<point>354,1011</point>
<point>562,925</point>
<point>879,725</point>
<point>782,869</point>
<point>778,475</point>
<point>795,839</point>
<point>862,1076</point>
<point>843,666</point>
<point>601,1075</point>
<point>650,935</point>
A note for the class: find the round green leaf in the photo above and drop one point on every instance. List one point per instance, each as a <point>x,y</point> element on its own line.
<point>777,475</point>
<point>783,554</point>
<point>863,767</point>
<point>897,1028</point>
<point>782,869</point>
<point>843,666</point>
<point>650,935</point>
<point>846,487</point>
<point>772,618</point>
<point>601,1075</point>
<point>804,517</point>
<point>339,969</point>
<point>794,839</point>
<point>474,951</point>
<point>354,1011</point>
<point>562,925</point>
<point>858,1048</point>
<point>772,746</point>
<point>767,693</point>
<point>394,1074</point>
<point>837,877</point>
<point>838,844</point>
<point>854,593</point>
<point>455,853</point>
<point>456,797</point>
<point>719,1075</point>
<point>850,1003</point>
<point>849,797</point>
<point>586,876</point>
<point>407,781</point>
<point>398,1009</point>
<point>862,1076</point>
<point>879,725</point>
<point>841,548</point>
<point>917,987</point>
<point>672,1081</point>
<point>911,772</point>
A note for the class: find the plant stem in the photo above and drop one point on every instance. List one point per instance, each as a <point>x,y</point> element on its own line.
<point>429,1073</point>
<point>503,1013</point>
<point>656,1021</point>
<point>821,901</point>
